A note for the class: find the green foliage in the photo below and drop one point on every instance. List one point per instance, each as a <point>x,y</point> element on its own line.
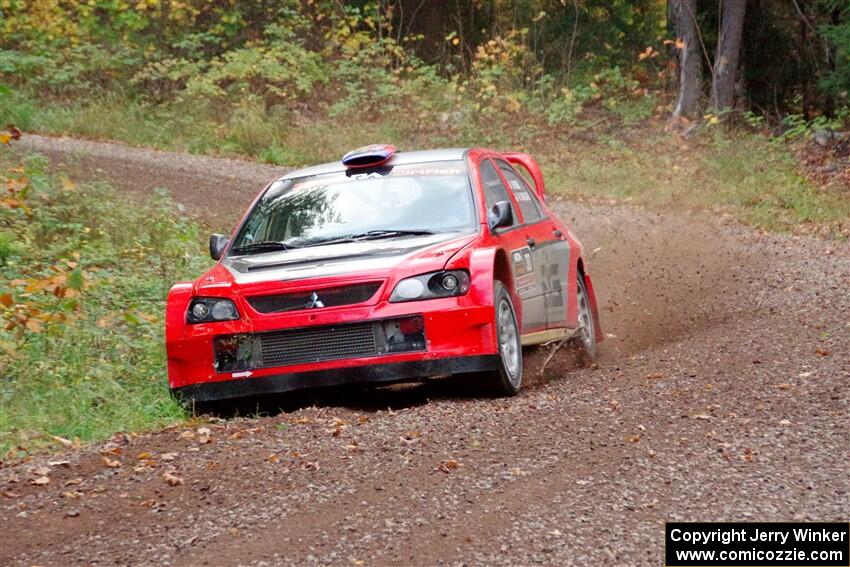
<point>837,80</point>
<point>609,90</point>
<point>84,276</point>
<point>231,59</point>
<point>795,126</point>
<point>276,72</point>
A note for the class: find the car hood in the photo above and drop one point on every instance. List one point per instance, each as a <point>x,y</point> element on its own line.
<point>430,252</point>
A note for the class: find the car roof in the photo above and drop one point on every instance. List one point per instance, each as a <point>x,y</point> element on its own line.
<point>400,158</point>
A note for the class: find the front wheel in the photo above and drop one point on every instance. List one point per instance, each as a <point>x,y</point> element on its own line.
<point>507,379</point>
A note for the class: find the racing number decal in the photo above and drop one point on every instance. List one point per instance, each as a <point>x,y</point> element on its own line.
<point>524,270</point>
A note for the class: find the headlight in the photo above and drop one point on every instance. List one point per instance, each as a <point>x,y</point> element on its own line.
<point>431,285</point>
<point>207,309</point>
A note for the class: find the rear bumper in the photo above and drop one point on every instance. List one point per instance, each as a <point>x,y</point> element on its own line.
<point>370,374</point>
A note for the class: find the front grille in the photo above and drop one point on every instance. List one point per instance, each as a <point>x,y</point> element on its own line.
<point>317,344</point>
<point>328,297</point>
<point>307,345</point>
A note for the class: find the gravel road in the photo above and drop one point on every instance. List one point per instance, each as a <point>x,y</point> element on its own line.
<point>722,394</point>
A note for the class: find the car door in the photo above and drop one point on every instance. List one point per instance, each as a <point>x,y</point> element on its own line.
<point>522,247</point>
<point>551,250</point>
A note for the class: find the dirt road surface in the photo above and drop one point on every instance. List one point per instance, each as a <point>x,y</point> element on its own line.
<point>722,395</point>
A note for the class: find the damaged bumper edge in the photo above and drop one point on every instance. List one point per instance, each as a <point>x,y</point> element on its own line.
<point>370,374</point>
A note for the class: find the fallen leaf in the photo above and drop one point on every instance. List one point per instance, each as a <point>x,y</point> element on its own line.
<point>655,376</point>
<point>111,463</point>
<point>704,416</point>
<point>168,456</point>
<point>273,458</point>
<point>448,465</point>
<point>41,471</point>
<point>204,436</point>
<point>40,481</point>
<point>73,481</point>
<point>143,456</point>
<point>633,439</point>
<point>72,494</point>
<point>172,479</point>
<point>822,351</point>
<point>785,422</point>
<point>784,386</point>
<point>62,441</point>
<point>66,464</point>
<point>187,435</point>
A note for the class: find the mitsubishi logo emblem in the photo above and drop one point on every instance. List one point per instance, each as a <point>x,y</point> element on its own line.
<point>315,302</point>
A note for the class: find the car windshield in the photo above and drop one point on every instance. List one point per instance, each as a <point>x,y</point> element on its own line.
<point>421,198</point>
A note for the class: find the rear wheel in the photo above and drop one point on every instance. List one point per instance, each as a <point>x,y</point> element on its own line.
<point>507,379</point>
<point>586,336</point>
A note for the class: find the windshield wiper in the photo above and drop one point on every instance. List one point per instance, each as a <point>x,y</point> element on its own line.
<point>367,235</point>
<point>262,246</point>
<point>388,233</point>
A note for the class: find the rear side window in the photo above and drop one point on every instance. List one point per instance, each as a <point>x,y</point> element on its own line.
<point>494,188</point>
<point>527,200</point>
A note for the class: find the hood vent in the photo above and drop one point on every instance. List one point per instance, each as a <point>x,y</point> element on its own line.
<point>327,297</point>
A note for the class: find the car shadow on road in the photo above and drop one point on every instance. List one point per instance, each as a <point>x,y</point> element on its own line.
<point>400,395</point>
<point>360,398</point>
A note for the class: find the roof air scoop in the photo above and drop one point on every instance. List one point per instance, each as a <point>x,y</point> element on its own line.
<point>368,156</point>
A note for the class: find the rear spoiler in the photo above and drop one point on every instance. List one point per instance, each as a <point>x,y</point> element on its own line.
<point>530,165</point>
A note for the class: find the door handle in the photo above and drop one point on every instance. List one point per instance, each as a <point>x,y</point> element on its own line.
<point>558,233</point>
<point>531,242</point>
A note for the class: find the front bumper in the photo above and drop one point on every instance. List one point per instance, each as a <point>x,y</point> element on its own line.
<point>370,374</point>
<point>456,329</point>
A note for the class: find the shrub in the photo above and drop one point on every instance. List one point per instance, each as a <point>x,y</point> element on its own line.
<point>83,279</point>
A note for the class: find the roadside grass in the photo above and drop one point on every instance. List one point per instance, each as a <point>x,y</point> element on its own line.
<point>754,180</point>
<point>614,152</point>
<point>83,280</point>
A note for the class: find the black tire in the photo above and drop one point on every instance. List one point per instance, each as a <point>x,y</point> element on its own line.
<point>585,340</point>
<point>507,379</point>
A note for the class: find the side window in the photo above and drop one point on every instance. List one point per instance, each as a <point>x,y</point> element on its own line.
<point>528,204</point>
<point>494,188</point>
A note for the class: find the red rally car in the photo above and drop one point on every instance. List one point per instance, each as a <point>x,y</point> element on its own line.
<point>380,268</point>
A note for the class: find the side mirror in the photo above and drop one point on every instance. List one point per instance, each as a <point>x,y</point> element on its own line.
<point>500,215</point>
<point>218,242</point>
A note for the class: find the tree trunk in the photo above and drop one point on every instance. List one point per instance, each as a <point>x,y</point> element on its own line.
<point>728,53</point>
<point>831,58</point>
<point>690,61</point>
